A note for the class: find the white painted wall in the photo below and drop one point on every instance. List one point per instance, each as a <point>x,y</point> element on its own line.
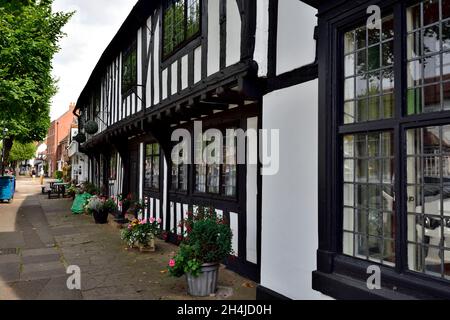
<point>141,171</point>
<point>296,45</point>
<point>197,64</point>
<point>262,36</point>
<point>164,84</point>
<point>139,69</point>
<point>289,199</point>
<point>156,65</point>
<point>252,196</point>
<point>234,24</point>
<point>174,75</point>
<point>213,36</point>
<point>184,72</point>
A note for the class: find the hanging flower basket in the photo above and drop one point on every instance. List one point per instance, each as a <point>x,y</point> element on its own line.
<point>91,127</point>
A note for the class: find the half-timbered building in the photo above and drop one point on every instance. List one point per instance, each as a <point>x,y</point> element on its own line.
<point>231,64</point>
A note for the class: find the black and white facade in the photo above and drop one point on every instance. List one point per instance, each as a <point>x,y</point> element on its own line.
<point>231,64</point>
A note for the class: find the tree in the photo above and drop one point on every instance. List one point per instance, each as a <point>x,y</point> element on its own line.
<point>22,151</point>
<point>29,36</point>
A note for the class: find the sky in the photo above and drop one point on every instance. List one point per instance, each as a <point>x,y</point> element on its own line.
<point>89,32</point>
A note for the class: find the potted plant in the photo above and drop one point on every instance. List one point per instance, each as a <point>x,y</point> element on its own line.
<point>142,233</point>
<point>206,243</point>
<point>96,207</point>
<point>72,191</point>
<point>125,202</point>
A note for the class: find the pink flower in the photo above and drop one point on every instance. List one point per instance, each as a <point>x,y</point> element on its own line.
<point>152,220</point>
<point>129,227</point>
<point>159,220</point>
<point>172,263</point>
<point>143,221</point>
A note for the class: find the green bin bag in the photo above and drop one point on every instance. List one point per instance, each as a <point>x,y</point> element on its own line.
<point>79,203</point>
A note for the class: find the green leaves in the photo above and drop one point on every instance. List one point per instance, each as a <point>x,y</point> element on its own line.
<point>22,152</point>
<point>29,35</point>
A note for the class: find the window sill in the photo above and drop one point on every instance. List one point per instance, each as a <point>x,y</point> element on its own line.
<point>346,288</point>
<point>342,277</point>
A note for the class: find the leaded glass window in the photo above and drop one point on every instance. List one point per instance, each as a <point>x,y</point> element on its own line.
<point>152,166</point>
<point>181,23</point>
<point>220,179</point>
<point>129,69</point>
<point>179,176</point>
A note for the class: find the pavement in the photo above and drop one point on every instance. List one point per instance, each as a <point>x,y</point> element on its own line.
<point>40,239</point>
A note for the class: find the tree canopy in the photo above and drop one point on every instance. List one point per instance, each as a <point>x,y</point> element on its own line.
<point>22,151</point>
<point>29,36</point>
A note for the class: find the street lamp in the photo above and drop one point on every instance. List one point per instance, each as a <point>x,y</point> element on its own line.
<point>4,133</point>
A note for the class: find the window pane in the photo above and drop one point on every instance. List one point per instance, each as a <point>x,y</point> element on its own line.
<point>155,172</point>
<point>200,178</point>
<point>428,172</point>
<point>129,68</point>
<point>427,69</point>
<point>413,17</point>
<point>369,197</point>
<point>178,23</point>
<point>349,42</point>
<point>369,73</point>
<point>174,177</point>
<point>430,11</point>
<point>168,30</point>
<point>193,15</point>
<point>148,172</point>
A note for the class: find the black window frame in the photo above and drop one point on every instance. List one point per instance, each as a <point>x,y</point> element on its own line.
<point>338,275</point>
<point>187,38</point>
<point>128,88</point>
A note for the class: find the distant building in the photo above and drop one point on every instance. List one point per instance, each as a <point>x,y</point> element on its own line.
<point>79,161</point>
<point>57,132</point>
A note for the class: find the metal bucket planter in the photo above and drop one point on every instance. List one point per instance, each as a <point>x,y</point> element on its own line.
<point>206,283</point>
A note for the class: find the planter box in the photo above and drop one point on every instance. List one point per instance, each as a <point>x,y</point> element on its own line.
<point>149,248</point>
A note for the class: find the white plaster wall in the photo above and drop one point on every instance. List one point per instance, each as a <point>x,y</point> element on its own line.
<point>295,45</point>
<point>174,75</point>
<point>252,196</point>
<point>289,198</point>
<point>234,24</point>
<point>262,36</point>
<point>139,69</point>
<point>156,65</point>
<point>141,171</point>
<point>184,72</point>
<point>148,88</point>
<point>164,84</point>
<point>197,64</point>
<point>213,36</point>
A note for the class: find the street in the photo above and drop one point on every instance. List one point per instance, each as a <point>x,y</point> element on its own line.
<point>40,239</point>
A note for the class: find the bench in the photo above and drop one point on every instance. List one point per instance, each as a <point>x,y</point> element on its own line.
<point>56,191</point>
